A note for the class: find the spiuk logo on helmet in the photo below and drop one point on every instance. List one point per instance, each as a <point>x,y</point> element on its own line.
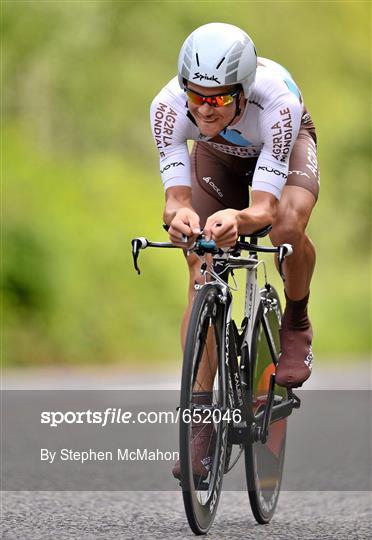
<point>218,54</point>
<point>201,77</point>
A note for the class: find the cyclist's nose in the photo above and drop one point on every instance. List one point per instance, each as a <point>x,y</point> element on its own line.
<point>206,109</point>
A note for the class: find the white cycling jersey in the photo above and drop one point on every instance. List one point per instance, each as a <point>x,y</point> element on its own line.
<point>267,129</point>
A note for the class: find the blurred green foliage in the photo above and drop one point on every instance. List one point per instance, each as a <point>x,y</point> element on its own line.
<point>80,171</point>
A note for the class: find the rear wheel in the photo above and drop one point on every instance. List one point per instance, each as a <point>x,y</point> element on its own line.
<point>204,374</point>
<point>264,462</point>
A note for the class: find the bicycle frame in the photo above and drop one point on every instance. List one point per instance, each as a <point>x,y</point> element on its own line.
<point>253,427</point>
<point>241,363</point>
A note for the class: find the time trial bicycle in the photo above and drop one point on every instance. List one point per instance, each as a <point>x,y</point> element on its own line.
<point>235,365</point>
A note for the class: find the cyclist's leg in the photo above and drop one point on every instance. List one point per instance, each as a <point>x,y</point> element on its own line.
<point>215,186</point>
<point>218,182</point>
<point>206,201</point>
<point>295,207</point>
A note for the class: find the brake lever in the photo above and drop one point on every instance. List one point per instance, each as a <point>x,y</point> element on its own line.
<point>137,245</point>
<point>284,251</point>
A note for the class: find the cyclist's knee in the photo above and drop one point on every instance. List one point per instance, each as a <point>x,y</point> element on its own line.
<point>289,228</point>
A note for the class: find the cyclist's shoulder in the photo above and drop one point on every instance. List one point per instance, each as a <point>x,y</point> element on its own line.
<point>169,115</point>
<point>273,84</point>
<point>170,96</point>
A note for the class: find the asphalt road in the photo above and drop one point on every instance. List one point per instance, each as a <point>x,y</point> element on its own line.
<point>150,515</point>
<point>332,510</point>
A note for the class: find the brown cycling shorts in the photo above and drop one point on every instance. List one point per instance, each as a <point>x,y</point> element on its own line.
<point>221,180</point>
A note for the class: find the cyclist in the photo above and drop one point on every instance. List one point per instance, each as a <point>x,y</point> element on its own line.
<point>251,128</point>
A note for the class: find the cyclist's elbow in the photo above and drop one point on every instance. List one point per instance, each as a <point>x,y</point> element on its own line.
<point>272,212</point>
<point>264,208</point>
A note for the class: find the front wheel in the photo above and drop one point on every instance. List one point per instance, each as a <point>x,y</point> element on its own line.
<point>264,462</point>
<point>203,431</point>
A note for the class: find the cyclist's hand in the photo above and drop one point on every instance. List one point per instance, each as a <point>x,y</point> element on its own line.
<point>222,227</point>
<point>184,226</point>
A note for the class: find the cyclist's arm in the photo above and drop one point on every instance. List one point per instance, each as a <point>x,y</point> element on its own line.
<point>261,213</point>
<point>225,225</point>
<point>183,221</point>
<point>279,125</point>
<point>171,128</point>
<point>176,198</point>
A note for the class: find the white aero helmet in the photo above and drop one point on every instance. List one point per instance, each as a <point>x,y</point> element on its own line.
<point>218,54</point>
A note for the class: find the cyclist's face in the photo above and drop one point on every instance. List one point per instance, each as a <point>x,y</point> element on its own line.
<point>212,120</point>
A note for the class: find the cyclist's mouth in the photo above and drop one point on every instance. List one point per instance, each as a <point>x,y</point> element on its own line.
<point>207,123</point>
<point>208,120</point>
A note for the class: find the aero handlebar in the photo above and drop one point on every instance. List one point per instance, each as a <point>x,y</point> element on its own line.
<point>202,246</point>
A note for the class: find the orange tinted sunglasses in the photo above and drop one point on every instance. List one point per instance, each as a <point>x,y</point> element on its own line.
<point>217,100</point>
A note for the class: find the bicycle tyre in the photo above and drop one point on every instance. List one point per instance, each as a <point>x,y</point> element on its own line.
<point>207,319</point>
<point>264,462</point>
